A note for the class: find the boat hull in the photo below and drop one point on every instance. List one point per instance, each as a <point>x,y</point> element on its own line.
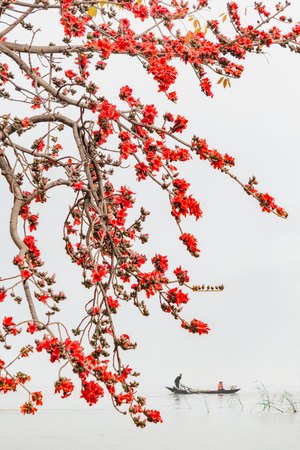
<point>199,391</point>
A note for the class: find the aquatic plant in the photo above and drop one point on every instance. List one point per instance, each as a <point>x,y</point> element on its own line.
<point>282,402</point>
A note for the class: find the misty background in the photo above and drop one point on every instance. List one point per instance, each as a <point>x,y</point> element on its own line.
<point>255,321</point>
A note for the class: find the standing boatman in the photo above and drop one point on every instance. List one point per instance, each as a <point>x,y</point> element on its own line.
<point>177,381</point>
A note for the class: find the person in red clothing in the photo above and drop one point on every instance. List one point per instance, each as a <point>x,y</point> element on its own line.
<point>220,386</point>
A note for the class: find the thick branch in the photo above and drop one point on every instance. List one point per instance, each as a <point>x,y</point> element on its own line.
<point>53,117</point>
<point>40,81</point>
<point>43,49</point>
<point>18,203</point>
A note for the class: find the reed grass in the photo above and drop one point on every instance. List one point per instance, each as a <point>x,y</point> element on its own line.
<point>282,402</point>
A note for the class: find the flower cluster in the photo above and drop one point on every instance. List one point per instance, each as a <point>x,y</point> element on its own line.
<point>65,385</point>
<point>196,326</point>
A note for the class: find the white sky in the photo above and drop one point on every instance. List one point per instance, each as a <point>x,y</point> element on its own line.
<point>255,321</point>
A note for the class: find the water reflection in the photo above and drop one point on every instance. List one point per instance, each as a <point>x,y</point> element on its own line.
<point>179,400</point>
<point>220,401</point>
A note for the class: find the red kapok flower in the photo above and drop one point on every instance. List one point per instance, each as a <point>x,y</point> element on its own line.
<point>160,263</point>
<point>26,274</point>
<point>182,275</point>
<point>70,74</point>
<point>32,328</point>
<point>196,326</point>
<point>191,242</point>
<point>65,385</point>
<point>179,124</point>
<point>91,391</point>
<point>78,185</point>
<point>28,408</point>
<point>2,294</point>
<point>8,322</point>
<point>25,122</point>
<point>99,273</point>
<point>153,416</point>
<point>37,398</point>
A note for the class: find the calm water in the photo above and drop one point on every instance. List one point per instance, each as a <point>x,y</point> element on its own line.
<point>214,422</point>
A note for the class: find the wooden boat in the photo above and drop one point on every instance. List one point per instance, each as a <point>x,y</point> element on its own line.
<point>199,391</point>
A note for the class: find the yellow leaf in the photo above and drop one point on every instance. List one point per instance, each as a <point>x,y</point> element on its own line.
<point>190,18</point>
<point>139,2</point>
<point>220,80</point>
<point>92,11</point>
<point>198,30</point>
<point>225,83</point>
<point>229,84</point>
<point>224,18</point>
<point>221,15</point>
<point>245,11</point>
<point>205,31</point>
<point>188,38</point>
<point>195,23</point>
